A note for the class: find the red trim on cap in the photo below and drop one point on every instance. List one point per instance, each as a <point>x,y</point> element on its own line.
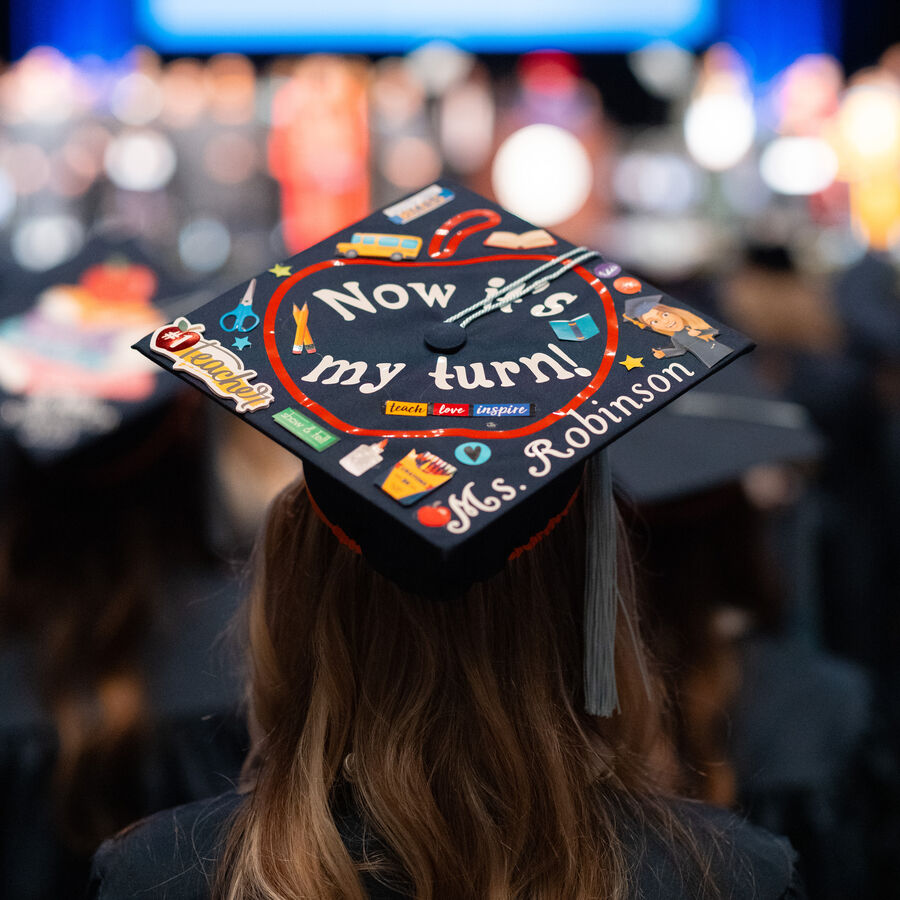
<point>281,373</point>
<point>339,533</point>
<point>533,541</point>
<point>537,538</point>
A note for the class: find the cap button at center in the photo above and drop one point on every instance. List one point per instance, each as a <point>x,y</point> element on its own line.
<point>445,337</point>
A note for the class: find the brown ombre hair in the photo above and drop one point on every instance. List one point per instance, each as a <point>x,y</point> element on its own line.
<point>456,729</point>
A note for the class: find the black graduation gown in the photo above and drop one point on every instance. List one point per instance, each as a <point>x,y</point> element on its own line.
<point>172,856</point>
<point>193,748</point>
<point>702,346</point>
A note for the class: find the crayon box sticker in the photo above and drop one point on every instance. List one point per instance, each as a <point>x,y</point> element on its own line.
<point>416,475</point>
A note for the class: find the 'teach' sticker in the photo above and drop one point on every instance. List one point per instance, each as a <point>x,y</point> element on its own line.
<point>404,408</point>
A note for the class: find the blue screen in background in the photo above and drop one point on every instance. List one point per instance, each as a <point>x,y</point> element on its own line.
<point>271,26</point>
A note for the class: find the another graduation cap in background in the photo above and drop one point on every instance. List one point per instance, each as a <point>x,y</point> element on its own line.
<point>442,393</point>
<point>712,436</point>
<point>67,375</point>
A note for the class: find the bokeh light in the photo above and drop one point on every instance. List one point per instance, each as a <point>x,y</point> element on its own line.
<point>543,174</point>
<point>43,241</point>
<point>719,129</point>
<point>140,160</point>
<point>798,165</point>
<point>204,245</point>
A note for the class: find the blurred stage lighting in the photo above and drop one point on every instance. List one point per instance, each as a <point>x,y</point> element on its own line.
<point>439,65</point>
<point>41,242</point>
<point>410,161</point>
<point>543,174</point>
<point>719,129</point>
<point>204,245</point>
<point>798,165</point>
<point>136,99</point>
<point>664,69</point>
<point>869,129</point>
<point>7,197</point>
<point>657,182</point>
<point>140,160</point>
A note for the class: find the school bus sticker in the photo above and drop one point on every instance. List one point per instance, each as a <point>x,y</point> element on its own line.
<point>389,246</point>
<point>208,361</point>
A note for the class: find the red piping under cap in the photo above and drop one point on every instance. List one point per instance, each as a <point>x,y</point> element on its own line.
<point>535,539</point>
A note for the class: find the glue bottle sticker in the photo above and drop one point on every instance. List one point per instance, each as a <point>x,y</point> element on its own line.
<point>359,460</point>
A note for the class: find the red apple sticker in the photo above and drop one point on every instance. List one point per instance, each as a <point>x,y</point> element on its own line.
<point>434,516</point>
<point>177,337</point>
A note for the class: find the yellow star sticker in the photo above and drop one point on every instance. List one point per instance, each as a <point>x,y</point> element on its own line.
<point>632,362</point>
<point>280,271</point>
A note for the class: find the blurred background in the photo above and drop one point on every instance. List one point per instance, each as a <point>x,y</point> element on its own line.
<point>744,156</point>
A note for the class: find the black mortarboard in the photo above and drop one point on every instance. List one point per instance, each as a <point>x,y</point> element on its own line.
<point>442,379</point>
<point>712,436</point>
<point>67,375</point>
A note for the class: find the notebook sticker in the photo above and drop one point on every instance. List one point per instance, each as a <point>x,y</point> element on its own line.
<point>578,329</point>
<point>527,240</point>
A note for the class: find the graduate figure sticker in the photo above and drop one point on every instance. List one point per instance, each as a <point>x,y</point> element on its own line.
<point>416,475</point>
<point>208,361</point>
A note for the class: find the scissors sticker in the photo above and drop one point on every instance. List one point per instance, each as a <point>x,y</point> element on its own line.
<point>242,316</point>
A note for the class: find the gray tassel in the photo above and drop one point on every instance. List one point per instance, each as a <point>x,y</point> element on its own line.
<point>601,595</point>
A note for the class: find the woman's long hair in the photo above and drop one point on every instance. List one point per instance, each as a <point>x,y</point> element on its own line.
<point>455,729</point>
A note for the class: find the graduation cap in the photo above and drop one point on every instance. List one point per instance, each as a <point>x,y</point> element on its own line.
<point>67,375</point>
<point>443,392</point>
<point>711,436</point>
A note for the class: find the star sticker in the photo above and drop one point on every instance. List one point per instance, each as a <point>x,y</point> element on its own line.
<point>241,343</point>
<point>280,271</point>
<point>632,362</point>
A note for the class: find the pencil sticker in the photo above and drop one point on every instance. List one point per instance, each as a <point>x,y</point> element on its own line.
<point>302,338</point>
<point>416,475</point>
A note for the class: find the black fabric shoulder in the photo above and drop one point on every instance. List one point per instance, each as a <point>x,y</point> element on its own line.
<point>169,856</point>
<point>173,856</point>
<point>742,862</point>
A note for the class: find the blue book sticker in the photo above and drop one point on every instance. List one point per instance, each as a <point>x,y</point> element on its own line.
<point>578,329</point>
